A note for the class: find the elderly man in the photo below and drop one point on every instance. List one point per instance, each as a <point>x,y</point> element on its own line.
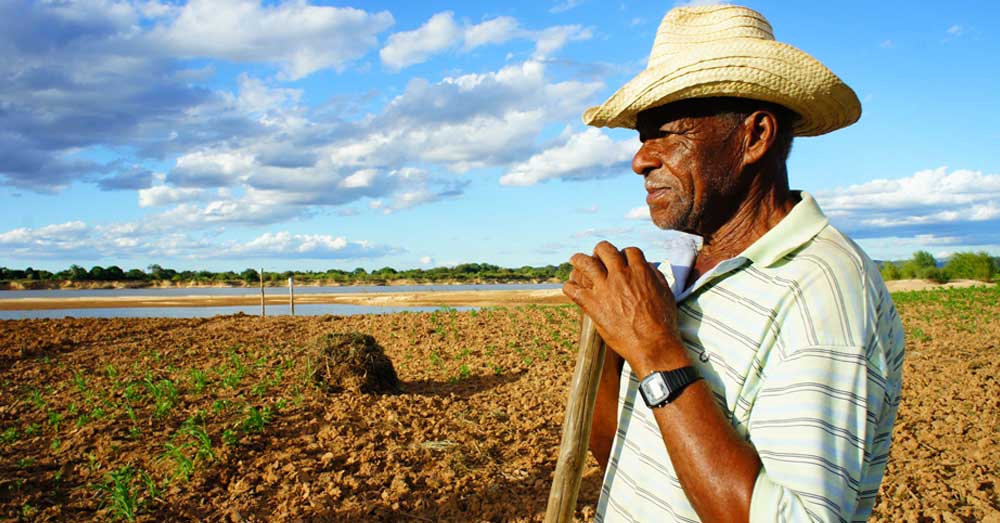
<point>766,390</point>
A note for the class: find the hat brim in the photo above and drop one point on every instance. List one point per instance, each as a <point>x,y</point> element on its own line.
<point>743,68</point>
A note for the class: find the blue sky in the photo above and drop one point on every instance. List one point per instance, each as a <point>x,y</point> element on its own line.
<point>314,135</point>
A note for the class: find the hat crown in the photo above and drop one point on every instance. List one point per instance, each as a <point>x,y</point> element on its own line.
<point>684,27</point>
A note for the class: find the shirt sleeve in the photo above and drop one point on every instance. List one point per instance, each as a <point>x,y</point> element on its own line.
<point>821,424</point>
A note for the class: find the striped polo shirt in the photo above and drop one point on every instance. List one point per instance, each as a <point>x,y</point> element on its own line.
<point>802,347</point>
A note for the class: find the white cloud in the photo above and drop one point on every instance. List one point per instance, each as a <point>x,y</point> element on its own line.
<point>77,241</point>
<point>494,31</point>
<point>160,195</point>
<point>412,47</point>
<point>315,246</point>
<point>257,97</point>
<point>441,32</point>
<point>638,213</point>
<point>955,31</point>
<point>928,189</point>
<point>961,205</point>
<point>550,40</point>
<point>564,6</point>
<point>593,209</point>
<point>296,37</point>
<point>590,154</point>
<point>426,260</point>
<point>602,232</point>
<point>211,168</point>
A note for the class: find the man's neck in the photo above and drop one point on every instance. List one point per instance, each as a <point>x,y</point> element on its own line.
<point>768,201</point>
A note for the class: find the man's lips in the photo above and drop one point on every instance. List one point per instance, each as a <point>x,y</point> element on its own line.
<point>655,193</point>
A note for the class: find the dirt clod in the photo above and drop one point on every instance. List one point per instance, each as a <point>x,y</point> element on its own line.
<point>353,362</point>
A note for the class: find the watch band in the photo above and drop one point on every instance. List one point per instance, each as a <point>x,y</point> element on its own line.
<point>675,381</point>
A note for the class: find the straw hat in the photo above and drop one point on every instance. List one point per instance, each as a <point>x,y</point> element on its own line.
<point>728,50</point>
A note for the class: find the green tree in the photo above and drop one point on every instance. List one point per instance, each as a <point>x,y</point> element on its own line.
<point>77,273</point>
<point>250,276</point>
<point>921,266</point>
<point>890,271</point>
<point>971,266</point>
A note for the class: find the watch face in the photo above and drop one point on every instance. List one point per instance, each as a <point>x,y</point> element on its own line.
<point>654,389</point>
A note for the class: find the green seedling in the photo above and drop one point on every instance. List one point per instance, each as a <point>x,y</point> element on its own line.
<point>183,465</point>
<point>202,441</point>
<point>164,395</point>
<point>110,371</point>
<point>118,489</point>
<point>230,438</point>
<point>55,418</point>
<point>80,381</point>
<point>35,397</point>
<point>235,374</point>
<point>198,380</point>
<point>8,436</point>
<point>256,419</point>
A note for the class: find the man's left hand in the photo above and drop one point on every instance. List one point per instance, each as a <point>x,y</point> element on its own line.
<point>631,305</point>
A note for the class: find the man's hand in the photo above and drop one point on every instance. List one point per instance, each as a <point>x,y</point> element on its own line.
<point>631,305</point>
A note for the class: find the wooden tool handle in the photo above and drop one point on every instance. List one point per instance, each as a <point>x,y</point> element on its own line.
<point>576,426</point>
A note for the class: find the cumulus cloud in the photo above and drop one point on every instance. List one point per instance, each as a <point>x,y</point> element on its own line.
<point>296,37</point>
<point>494,31</point>
<point>312,246</point>
<point>933,201</point>
<point>160,195</point>
<point>550,40</point>
<point>602,232</point>
<point>638,213</point>
<point>411,47</point>
<point>78,241</point>
<point>564,6</point>
<point>442,32</point>
<point>585,155</point>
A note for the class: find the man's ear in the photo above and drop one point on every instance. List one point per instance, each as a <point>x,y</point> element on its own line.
<point>761,133</point>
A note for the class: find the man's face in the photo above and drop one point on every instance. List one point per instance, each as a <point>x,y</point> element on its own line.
<point>691,165</point>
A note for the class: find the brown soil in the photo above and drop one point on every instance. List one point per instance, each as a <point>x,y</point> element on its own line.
<point>925,285</point>
<point>223,417</point>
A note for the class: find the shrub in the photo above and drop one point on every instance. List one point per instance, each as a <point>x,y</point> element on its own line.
<point>921,266</point>
<point>890,271</point>
<point>971,266</point>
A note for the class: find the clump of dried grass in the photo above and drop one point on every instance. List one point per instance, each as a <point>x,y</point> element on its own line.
<point>352,362</point>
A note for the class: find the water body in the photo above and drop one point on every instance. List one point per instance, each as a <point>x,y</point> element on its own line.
<point>317,309</point>
<point>276,291</point>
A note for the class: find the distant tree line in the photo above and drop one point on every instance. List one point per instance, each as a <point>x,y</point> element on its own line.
<point>960,266</point>
<point>464,273</point>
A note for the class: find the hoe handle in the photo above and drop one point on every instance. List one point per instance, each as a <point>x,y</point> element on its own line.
<point>576,425</point>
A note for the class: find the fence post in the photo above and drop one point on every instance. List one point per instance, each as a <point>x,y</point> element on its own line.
<point>261,292</point>
<point>291,294</point>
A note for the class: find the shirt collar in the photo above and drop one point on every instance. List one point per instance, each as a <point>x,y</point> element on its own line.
<point>802,223</point>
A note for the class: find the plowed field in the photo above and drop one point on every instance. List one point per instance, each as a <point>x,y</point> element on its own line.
<point>218,419</point>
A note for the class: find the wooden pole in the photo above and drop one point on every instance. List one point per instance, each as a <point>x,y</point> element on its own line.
<point>291,294</point>
<point>576,425</point>
<point>261,292</point>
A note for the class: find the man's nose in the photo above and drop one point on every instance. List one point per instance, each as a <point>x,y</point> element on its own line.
<point>643,162</point>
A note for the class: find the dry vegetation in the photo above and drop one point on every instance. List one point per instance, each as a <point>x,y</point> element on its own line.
<point>221,419</point>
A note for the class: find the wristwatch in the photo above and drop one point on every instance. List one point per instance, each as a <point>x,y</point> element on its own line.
<point>662,387</point>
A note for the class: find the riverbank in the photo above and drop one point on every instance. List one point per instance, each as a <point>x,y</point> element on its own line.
<point>68,285</point>
<point>485,298</point>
